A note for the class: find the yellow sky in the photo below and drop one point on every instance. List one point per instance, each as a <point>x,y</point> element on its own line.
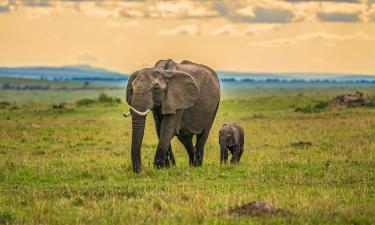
<point>101,35</point>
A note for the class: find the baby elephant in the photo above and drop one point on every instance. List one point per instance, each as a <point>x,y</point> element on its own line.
<point>231,137</point>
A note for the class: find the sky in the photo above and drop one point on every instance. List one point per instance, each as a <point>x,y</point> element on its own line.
<point>326,36</point>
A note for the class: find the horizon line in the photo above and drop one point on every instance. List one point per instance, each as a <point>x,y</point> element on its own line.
<point>218,70</point>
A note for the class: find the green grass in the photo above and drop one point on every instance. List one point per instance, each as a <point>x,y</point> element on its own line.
<point>71,165</point>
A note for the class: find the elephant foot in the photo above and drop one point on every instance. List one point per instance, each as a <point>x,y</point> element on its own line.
<point>161,162</point>
<point>224,162</point>
<point>197,162</point>
<point>170,161</point>
<point>191,161</point>
<point>164,162</point>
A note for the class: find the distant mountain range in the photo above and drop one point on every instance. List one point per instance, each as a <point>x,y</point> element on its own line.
<point>89,73</point>
<point>71,72</point>
<point>226,76</point>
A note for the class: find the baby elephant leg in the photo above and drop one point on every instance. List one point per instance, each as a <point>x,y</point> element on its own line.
<point>223,155</point>
<point>236,154</point>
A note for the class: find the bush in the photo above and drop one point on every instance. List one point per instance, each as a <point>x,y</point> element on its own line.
<point>317,107</point>
<point>307,109</point>
<point>7,216</point>
<point>118,100</point>
<point>59,105</point>
<point>104,98</point>
<point>371,101</point>
<point>320,105</point>
<point>85,101</point>
<point>4,104</point>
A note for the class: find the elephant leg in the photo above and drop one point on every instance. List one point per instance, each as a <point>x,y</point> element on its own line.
<point>199,146</point>
<point>240,153</point>
<point>167,128</point>
<point>236,151</point>
<point>158,119</point>
<point>223,155</point>
<point>187,141</point>
<point>170,155</point>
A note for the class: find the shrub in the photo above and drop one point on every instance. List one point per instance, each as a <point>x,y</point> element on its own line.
<point>317,107</point>
<point>103,97</point>
<point>7,216</point>
<point>85,101</point>
<point>321,105</point>
<point>371,101</point>
<point>59,105</point>
<point>4,104</point>
<point>118,100</point>
<point>306,109</point>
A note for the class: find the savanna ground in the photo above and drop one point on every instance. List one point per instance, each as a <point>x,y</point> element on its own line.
<point>70,163</point>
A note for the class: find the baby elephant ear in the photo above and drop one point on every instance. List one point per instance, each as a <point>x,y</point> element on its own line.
<point>182,91</point>
<point>236,134</point>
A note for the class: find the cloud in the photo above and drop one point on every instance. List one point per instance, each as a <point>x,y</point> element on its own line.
<point>38,3</point>
<point>263,15</point>
<point>278,11</point>
<point>4,6</point>
<point>252,11</point>
<point>96,9</point>
<point>241,11</point>
<point>181,9</point>
<point>328,38</point>
<point>191,29</point>
<point>116,24</point>
<point>353,1</point>
<point>250,30</point>
<point>371,12</point>
<point>88,56</point>
<point>4,9</point>
<point>121,39</point>
<point>338,17</point>
<point>226,30</point>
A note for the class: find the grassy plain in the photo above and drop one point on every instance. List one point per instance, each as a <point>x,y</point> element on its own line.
<point>71,165</point>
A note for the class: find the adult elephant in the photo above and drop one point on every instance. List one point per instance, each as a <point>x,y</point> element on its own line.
<point>183,98</point>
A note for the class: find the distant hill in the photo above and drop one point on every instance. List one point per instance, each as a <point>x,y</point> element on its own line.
<point>228,76</point>
<point>71,72</point>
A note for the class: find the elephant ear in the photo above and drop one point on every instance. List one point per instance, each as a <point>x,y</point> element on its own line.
<point>129,88</point>
<point>168,64</point>
<point>236,135</point>
<point>182,91</point>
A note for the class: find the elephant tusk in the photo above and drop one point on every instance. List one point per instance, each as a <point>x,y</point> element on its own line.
<point>138,112</point>
<point>126,114</point>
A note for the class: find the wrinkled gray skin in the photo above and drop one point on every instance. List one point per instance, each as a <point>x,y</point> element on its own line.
<point>183,98</point>
<point>231,137</point>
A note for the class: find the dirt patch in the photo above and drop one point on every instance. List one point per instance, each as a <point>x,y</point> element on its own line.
<point>258,208</point>
<point>352,100</point>
<point>301,144</point>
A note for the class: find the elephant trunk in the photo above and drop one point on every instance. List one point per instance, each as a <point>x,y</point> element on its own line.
<point>138,127</point>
